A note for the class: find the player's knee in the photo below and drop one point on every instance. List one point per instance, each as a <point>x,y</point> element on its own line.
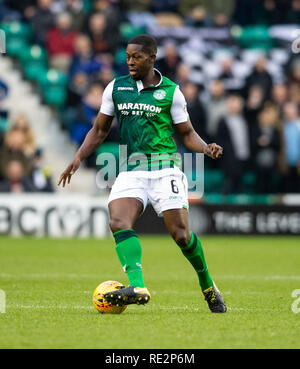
<point>181,236</point>
<point>118,224</point>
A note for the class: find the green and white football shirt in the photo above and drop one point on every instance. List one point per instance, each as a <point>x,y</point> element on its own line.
<point>146,117</point>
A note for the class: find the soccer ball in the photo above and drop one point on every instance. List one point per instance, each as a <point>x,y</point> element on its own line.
<point>99,301</point>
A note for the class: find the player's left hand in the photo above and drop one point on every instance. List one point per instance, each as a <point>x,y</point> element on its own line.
<point>214,151</point>
<point>67,174</point>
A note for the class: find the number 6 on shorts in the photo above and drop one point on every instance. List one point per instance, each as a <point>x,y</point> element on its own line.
<point>174,186</point>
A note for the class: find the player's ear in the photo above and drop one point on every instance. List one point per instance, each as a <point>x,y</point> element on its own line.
<point>153,57</point>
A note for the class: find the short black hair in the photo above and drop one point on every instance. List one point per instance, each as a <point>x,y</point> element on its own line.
<point>148,42</point>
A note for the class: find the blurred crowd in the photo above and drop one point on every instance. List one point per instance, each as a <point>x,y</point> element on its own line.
<point>256,118</point>
<point>21,162</point>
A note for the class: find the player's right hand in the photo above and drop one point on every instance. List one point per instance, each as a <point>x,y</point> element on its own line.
<point>67,174</point>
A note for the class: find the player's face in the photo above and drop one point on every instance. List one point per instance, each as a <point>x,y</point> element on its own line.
<point>139,62</point>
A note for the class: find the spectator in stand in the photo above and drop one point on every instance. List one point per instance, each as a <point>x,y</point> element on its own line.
<point>40,175</point>
<point>84,60</point>
<point>294,14</point>
<point>279,96</point>
<point>170,62</point>
<point>105,76</point>
<point>4,91</point>
<point>253,106</point>
<point>138,12</point>
<point>219,11</point>
<point>7,14</point>
<point>183,73</point>
<point>14,149</point>
<point>166,6</point>
<point>61,43</point>
<point>21,124</point>
<point>231,83</point>
<point>111,13</point>
<point>77,13</point>
<point>215,108</point>
<point>15,179</point>
<point>291,140</point>
<point>294,81</point>
<point>195,108</point>
<point>77,88</point>
<point>41,19</point>
<point>197,17</point>
<point>266,148</point>
<point>226,68</point>
<point>103,39</point>
<point>247,12</point>
<point>261,77</point>
<point>233,136</point>
<point>86,115</point>
<point>279,11</point>
<point>1,138</point>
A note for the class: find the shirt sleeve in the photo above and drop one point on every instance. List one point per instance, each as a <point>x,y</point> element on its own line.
<point>178,109</point>
<point>107,106</point>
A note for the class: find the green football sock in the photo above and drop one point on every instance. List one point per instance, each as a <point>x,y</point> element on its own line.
<point>129,251</point>
<point>194,253</point>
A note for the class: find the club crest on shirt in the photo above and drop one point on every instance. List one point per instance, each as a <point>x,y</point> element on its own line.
<point>159,94</point>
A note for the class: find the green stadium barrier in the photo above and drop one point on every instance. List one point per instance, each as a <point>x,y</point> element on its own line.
<point>253,37</point>
<point>240,199</point>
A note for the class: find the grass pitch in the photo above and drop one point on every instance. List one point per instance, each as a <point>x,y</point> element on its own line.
<point>49,286</point>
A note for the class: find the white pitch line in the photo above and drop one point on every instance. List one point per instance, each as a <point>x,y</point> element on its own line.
<point>149,308</point>
<point>48,276</point>
<point>92,276</point>
<point>251,277</point>
<point>283,277</point>
<point>42,307</point>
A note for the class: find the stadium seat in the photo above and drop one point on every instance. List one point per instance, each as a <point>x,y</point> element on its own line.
<point>53,84</point>
<point>280,56</point>
<point>34,61</point>
<point>56,96</point>
<point>211,69</point>
<point>18,36</point>
<point>249,181</point>
<point>120,56</point>
<point>15,46</point>
<point>88,6</point>
<point>3,124</point>
<point>213,180</point>
<point>128,31</point>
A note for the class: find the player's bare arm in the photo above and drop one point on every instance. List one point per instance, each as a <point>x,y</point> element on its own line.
<point>194,142</point>
<point>93,139</point>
